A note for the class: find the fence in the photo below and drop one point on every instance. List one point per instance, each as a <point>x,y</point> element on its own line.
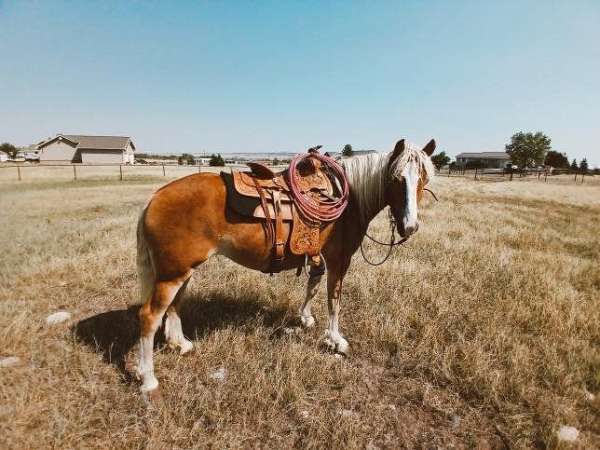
<point>121,172</point>
<point>62,172</point>
<point>511,175</point>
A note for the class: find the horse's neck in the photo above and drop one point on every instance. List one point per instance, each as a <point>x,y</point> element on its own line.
<point>366,183</point>
<point>363,218</point>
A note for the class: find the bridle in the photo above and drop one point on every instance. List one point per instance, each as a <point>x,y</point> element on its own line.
<point>393,243</point>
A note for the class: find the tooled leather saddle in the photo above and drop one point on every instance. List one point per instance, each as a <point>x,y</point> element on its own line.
<point>263,194</point>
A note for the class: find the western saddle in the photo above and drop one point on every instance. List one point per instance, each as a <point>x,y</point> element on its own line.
<point>266,195</point>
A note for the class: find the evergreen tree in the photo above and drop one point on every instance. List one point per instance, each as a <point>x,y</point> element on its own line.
<point>574,165</point>
<point>216,160</point>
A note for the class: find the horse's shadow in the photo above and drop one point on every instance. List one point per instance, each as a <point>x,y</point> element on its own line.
<point>115,333</point>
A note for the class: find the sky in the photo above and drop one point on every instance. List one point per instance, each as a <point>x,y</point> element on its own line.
<point>261,76</point>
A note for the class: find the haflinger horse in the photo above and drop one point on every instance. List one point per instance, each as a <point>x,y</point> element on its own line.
<point>187,221</point>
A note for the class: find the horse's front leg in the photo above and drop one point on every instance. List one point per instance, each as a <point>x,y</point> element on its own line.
<point>333,339</point>
<point>315,274</point>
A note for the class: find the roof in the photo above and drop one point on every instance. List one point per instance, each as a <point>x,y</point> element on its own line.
<point>484,155</point>
<point>93,142</point>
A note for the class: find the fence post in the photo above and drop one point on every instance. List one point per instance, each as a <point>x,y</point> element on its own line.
<point>163,165</point>
<point>475,172</point>
<point>19,172</point>
<point>120,172</point>
<point>546,176</point>
<point>575,177</point>
<point>199,168</point>
<point>582,177</point>
<point>539,174</point>
<point>449,171</point>
<point>511,175</point>
<point>74,172</point>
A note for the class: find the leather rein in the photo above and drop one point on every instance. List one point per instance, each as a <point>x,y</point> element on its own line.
<point>393,242</point>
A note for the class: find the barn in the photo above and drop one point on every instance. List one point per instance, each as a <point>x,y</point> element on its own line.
<point>75,148</point>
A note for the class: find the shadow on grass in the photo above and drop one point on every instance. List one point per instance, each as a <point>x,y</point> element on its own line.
<point>115,333</point>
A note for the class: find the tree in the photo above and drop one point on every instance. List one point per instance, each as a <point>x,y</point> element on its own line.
<point>574,165</point>
<point>188,159</point>
<point>216,160</point>
<point>583,165</point>
<point>557,160</point>
<point>9,149</point>
<point>347,151</point>
<point>528,149</point>
<point>276,162</point>
<point>440,160</point>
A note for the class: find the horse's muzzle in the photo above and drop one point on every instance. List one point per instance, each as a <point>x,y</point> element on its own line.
<point>409,230</point>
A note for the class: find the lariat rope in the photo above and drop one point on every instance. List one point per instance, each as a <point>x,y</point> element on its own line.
<point>315,209</point>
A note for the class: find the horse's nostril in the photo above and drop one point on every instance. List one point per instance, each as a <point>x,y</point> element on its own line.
<point>410,229</point>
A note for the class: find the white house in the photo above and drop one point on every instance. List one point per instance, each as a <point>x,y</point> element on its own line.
<point>73,148</point>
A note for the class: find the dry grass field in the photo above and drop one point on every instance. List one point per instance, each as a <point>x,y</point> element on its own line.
<point>482,332</point>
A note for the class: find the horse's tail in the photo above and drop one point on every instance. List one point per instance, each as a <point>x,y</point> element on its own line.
<point>145,267</point>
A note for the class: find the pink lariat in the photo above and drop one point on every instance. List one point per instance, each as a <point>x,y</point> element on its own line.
<point>315,209</point>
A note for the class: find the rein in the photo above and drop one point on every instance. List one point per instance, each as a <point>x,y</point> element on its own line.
<point>390,245</point>
<point>392,242</point>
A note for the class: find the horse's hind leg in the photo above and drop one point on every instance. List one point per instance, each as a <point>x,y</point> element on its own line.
<point>151,314</point>
<point>173,330</point>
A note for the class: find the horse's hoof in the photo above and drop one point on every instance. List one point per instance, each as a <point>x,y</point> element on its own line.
<point>307,321</point>
<point>336,344</point>
<point>186,347</point>
<point>153,397</point>
<point>342,347</point>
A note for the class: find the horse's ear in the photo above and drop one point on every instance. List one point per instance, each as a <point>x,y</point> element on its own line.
<point>398,149</point>
<point>430,147</point>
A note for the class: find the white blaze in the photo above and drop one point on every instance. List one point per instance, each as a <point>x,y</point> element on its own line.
<point>411,178</point>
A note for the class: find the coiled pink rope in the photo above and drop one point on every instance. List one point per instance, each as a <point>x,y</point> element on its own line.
<point>311,208</point>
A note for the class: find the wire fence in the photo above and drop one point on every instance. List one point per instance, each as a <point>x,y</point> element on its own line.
<point>545,176</point>
<point>124,172</point>
<point>121,172</point>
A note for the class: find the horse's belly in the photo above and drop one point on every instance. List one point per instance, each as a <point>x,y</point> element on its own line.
<point>246,244</point>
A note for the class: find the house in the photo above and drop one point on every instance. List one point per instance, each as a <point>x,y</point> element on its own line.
<point>74,148</point>
<point>202,160</point>
<point>488,160</point>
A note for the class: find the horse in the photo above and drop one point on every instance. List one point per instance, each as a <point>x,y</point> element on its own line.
<point>187,221</point>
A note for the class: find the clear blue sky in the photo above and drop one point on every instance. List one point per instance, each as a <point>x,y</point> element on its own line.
<point>269,76</point>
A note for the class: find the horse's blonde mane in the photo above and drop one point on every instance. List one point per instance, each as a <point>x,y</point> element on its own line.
<point>368,176</point>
